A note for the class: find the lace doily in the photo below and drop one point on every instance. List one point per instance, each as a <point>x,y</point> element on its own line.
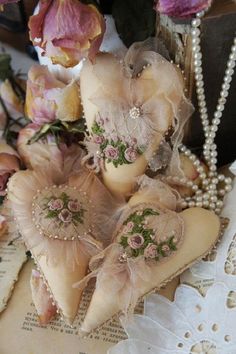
<point>192,324</point>
<point>221,265</point>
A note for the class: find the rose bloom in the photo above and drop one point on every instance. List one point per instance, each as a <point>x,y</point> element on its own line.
<point>65,215</point>
<point>98,139</point>
<point>9,164</point>
<point>165,248</point>
<point>40,152</point>
<point>48,99</point>
<point>67,31</point>
<point>135,241</point>
<point>131,154</point>
<point>73,206</point>
<point>150,251</point>
<point>129,226</point>
<point>55,204</point>
<point>12,102</point>
<point>181,8</point>
<point>111,152</point>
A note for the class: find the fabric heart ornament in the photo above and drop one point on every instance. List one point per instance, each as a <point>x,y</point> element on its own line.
<point>152,245</point>
<point>131,106</point>
<point>55,214</point>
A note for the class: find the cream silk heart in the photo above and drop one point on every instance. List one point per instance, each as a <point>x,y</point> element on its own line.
<point>55,214</point>
<point>130,107</point>
<point>152,244</point>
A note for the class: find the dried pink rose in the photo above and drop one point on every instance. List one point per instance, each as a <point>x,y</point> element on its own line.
<point>129,226</point>
<point>181,8</point>
<point>40,152</point>
<point>135,241</point>
<point>98,139</point>
<point>41,298</point>
<point>111,152</point>
<point>55,204</point>
<point>150,251</point>
<point>12,102</point>
<point>65,215</point>
<point>67,31</point>
<point>9,164</point>
<point>48,99</point>
<point>73,206</point>
<point>131,154</point>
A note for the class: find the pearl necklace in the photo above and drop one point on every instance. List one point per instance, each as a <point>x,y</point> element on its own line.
<point>208,196</point>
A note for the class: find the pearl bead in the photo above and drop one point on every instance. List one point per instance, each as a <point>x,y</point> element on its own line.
<point>219,204</point>
<point>221,177</point>
<point>228,180</point>
<point>221,192</point>
<point>196,22</point>
<point>195,32</point>
<point>228,188</point>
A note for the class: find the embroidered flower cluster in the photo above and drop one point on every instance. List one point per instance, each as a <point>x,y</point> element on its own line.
<point>138,239</point>
<point>115,149</point>
<point>65,209</point>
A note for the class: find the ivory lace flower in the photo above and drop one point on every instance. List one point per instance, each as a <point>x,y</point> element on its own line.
<point>192,324</point>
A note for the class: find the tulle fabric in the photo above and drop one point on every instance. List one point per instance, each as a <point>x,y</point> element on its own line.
<point>158,91</point>
<point>24,185</point>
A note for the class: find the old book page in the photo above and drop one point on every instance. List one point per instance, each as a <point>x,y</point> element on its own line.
<point>12,257</point>
<point>20,332</point>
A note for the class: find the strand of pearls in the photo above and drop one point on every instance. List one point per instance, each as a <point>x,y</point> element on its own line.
<point>209,196</point>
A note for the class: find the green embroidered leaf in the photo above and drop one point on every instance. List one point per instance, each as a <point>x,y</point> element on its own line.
<point>65,198</point>
<point>96,129</point>
<point>52,214</point>
<point>124,241</point>
<point>78,218</point>
<point>149,211</point>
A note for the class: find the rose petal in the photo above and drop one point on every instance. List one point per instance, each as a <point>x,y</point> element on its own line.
<point>36,22</point>
<point>41,298</point>
<point>68,31</point>
<point>182,8</point>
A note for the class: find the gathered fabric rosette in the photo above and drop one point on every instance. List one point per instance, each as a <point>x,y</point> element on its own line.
<point>63,216</point>
<point>131,108</point>
<point>152,244</point>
